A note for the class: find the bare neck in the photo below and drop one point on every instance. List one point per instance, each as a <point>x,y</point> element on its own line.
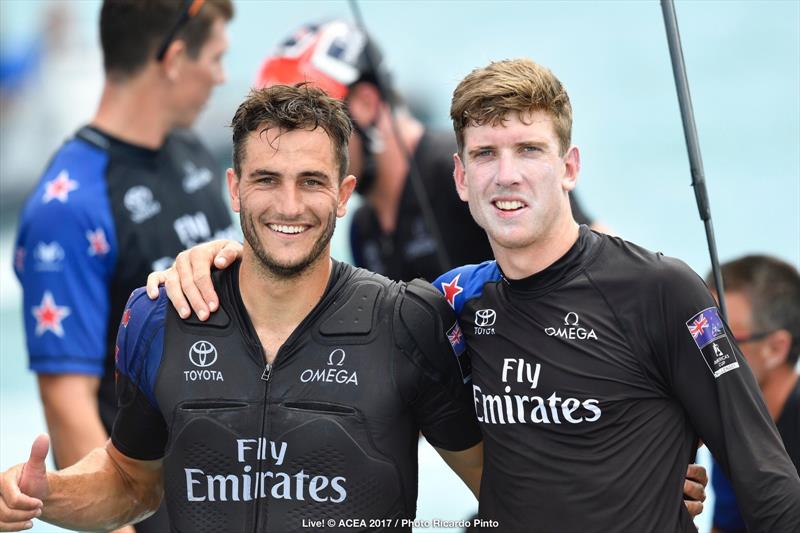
<point>276,306</point>
<point>518,263</point>
<point>777,387</point>
<point>393,166</point>
<point>134,112</point>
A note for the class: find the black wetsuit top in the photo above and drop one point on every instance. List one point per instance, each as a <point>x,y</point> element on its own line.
<point>593,381</point>
<point>327,432</point>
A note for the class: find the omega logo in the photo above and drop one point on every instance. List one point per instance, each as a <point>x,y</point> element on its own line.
<point>571,330</point>
<point>337,353</point>
<point>203,354</point>
<point>332,374</point>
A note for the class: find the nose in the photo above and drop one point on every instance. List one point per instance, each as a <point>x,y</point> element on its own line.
<point>290,204</point>
<point>507,173</point>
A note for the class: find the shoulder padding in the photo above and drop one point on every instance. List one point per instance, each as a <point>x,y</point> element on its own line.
<point>355,315</point>
<point>425,317</point>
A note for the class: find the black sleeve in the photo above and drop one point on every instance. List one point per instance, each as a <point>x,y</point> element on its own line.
<point>706,372</point>
<point>441,402</point>
<point>140,431</point>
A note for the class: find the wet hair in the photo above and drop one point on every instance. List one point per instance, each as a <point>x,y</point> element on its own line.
<point>288,108</point>
<point>489,94</point>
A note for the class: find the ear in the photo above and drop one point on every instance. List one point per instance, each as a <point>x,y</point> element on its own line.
<point>572,167</point>
<point>346,188</point>
<point>460,178</point>
<point>173,59</point>
<point>364,102</point>
<point>777,348</point>
<point>233,189</point>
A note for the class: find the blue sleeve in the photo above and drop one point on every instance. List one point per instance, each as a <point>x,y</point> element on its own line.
<point>65,256</point>
<point>726,513</point>
<point>466,282</point>
<point>140,341</point>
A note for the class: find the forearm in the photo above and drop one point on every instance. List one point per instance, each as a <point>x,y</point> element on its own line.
<point>467,464</point>
<point>73,417</point>
<point>99,493</point>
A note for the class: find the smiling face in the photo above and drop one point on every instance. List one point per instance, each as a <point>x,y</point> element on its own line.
<point>288,196</point>
<point>516,181</point>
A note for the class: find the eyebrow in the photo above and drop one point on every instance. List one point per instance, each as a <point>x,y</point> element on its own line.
<point>262,172</point>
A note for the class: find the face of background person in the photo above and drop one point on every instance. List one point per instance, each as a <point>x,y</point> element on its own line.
<point>288,197</point>
<point>740,320</point>
<point>198,76</point>
<point>514,179</point>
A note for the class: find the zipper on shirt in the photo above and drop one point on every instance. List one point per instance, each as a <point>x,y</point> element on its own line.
<point>267,374</point>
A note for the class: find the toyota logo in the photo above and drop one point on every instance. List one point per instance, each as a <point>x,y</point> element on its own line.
<point>485,317</point>
<point>203,354</point>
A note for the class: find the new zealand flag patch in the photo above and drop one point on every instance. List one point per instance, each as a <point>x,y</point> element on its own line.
<point>708,333</point>
<point>456,338</point>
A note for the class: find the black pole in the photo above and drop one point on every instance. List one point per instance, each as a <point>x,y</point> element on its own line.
<point>413,169</point>
<point>692,143</point>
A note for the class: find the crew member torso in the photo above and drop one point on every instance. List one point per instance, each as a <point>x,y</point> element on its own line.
<point>324,436</point>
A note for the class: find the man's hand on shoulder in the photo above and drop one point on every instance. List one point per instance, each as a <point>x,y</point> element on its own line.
<point>188,280</point>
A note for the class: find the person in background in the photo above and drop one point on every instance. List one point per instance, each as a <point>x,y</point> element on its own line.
<point>763,300</point>
<point>122,197</point>
<point>389,233</point>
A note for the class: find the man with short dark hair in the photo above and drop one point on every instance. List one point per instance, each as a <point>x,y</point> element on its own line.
<point>121,198</point>
<point>298,405</point>
<point>763,297</point>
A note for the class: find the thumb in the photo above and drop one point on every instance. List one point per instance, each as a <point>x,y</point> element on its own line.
<point>35,468</point>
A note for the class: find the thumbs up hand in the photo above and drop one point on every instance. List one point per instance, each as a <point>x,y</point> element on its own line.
<point>23,489</point>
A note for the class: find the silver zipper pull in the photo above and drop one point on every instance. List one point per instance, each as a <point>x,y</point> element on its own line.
<point>267,372</point>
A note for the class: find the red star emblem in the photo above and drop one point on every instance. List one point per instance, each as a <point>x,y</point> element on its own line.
<point>126,317</point>
<point>698,326</point>
<point>59,188</point>
<point>98,245</point>
<point>49,316</point>
<point>451,290</point>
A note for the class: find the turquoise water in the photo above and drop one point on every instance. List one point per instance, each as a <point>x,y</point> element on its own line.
<point>743,62</point>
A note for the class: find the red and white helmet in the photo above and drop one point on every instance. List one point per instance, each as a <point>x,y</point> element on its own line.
<point>332,55</point>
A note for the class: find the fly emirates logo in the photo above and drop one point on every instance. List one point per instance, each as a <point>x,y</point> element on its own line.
<point>250,485</point>
<point>530,409</point>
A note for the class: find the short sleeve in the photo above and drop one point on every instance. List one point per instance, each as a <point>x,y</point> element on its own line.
<point>64,259</point>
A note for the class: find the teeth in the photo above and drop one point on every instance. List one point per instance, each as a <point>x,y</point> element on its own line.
<point>282,228</point>
<point>509,205</point>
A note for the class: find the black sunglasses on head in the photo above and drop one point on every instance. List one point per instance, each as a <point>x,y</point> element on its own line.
<point>189,9</point>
